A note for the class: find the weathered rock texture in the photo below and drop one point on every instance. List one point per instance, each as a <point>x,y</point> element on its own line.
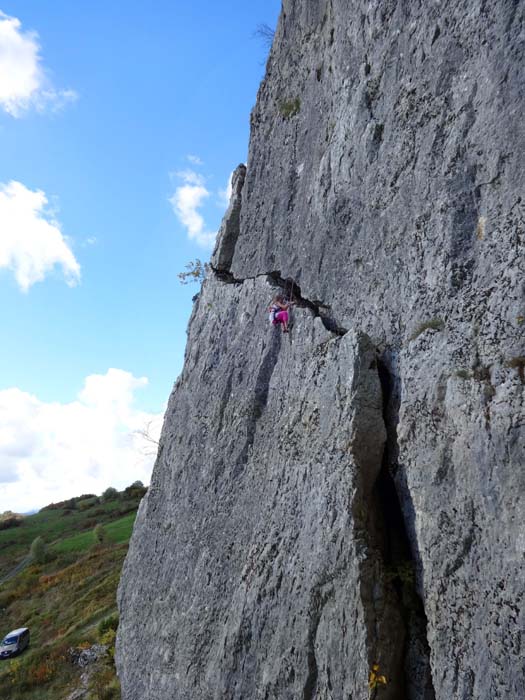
<point>352,493</point>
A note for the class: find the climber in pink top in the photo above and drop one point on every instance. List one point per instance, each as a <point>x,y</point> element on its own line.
<point>278,310</point>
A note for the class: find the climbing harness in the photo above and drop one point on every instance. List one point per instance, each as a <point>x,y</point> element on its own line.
<point>273,310</point>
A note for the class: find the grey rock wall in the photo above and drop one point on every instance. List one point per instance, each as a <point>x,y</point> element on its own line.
<point>325,501</point>
<point>251,564</point>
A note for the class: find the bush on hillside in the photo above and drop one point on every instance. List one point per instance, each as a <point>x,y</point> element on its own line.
<point>10,519</point>
<point>38,550</point>
<point>108,623</point>
<point>87,502</point>
<point>127,507</point>
<point>135,490</point>
<point>72,503</point>
<point>100,534</point>
<point>103,685</point>
<point>110,494</point>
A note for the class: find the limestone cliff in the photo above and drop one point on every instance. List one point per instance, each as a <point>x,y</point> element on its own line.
<point>352,494</point>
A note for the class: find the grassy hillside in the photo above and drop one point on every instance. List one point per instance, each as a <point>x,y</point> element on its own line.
<point>67,600</point>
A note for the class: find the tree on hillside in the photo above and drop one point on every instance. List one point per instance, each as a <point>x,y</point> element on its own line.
<point>100,534</point>
<point>135,490</point>
<point>110,494</point>
<point>9,519</point>
<point>38,550</point>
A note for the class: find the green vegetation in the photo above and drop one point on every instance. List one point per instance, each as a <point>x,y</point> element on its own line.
<point>99,533</point>
<point>196,271</point>
<point>55,522</point>
<point>68,597</point>
<point>436,324</point>
<point>115,532</point>
<point>9,519</point>
<point>38,550</point>
<point>110,494</point>
<point>289,108</point>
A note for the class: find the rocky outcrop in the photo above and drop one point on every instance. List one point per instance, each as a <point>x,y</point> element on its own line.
<point>90,660</point>
<point>352,494</point>
<point>228,234</point>
<point>85,657</point>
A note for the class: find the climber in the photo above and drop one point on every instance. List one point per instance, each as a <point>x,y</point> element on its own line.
<point>278,310</point>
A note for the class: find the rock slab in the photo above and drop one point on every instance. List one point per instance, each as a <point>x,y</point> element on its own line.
<point>329,500</point>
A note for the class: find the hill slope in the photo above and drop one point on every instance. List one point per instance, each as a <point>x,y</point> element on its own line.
<point>67,601</point>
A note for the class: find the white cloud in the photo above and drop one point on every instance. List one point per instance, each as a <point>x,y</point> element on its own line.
<point>225,194</point>
<point>194,160</point>
<point>186,201</point>
<point>190,177</point>
<point>23,81</point>
<point>31,242</point>
<point>52,451</point>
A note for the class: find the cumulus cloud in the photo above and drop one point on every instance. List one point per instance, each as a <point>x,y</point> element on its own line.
<point>190,177</point>
<point>23,80</point>
<point>31,242</point>
<point>194,160</point>
<point>186,202</point>
<point>52,451</point>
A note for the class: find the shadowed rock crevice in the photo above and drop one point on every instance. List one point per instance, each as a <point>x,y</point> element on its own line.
<point>292,291</point>
<point>400,569</point>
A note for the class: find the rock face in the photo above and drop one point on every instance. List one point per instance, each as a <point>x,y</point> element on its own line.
<point>229,232</point>
<point>352,494</point>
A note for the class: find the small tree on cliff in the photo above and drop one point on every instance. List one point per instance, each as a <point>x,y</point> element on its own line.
<point>265,34</point>
<point>196,271</point>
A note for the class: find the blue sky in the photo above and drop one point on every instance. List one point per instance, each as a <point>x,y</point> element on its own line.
<point>102,130</point>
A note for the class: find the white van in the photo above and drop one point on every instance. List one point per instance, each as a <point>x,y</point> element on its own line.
<point>14,643</point>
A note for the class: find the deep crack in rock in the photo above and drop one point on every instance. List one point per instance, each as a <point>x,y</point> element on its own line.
<point>400,567</point>
<point>292,291</point>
